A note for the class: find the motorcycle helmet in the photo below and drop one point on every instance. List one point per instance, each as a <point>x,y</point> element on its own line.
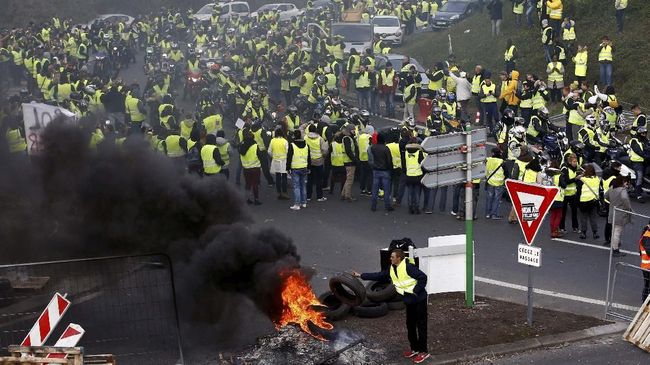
<point>543,113</point>
<point>508,117</point>
<point>642,130</point>
<point>451,97</point>
<point>167,99</point>
<point>364,116</point>
<point>576,146</point>
<point>519,121</point>
<point>590,120</point>
<point>334,92</point>
<point>436,111</point>
<point>442,93</point>
<point>519,132</point>
<point>292,109</point>
<point>321,80</point>
<point>410,122</point>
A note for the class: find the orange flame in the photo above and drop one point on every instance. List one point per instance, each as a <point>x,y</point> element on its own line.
<point>297,301</point>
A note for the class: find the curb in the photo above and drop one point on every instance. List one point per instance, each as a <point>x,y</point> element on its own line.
<point>529,344</point>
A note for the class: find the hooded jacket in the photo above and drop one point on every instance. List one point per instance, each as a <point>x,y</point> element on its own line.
<point>509,93</point>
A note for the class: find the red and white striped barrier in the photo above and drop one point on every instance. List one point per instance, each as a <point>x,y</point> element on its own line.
<point>47,321</point>
<point>69,338</point>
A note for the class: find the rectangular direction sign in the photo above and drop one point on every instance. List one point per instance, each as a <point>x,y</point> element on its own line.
<point>452,176</point>
<point>450,141</point>
<point>529,255</point>
<point>444,160</point>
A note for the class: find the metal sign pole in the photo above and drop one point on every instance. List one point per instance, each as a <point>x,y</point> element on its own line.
<point>469,231</point>
<point>530,296</point>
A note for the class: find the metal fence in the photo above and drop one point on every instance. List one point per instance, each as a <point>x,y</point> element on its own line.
<point>623,297</point>
<point>126,305</point>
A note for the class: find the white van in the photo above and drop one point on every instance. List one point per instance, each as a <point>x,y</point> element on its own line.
<point>240,8</point>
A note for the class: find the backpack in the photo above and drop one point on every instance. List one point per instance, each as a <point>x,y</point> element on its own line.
<point>401,244</point>
<point>194,157</point>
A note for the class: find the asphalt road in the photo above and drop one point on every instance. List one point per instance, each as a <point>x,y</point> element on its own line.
<point>335,236</point>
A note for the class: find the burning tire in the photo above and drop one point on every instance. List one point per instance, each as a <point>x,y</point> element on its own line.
<point>371,310</point>
<point>336,309</point>
<point>348,289</point>
<point>380,292</point>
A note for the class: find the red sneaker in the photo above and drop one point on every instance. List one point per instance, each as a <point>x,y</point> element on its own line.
<point>410,353</point>
<point>420,357</point>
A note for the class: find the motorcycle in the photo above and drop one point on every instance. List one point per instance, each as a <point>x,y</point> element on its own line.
<point>193,85</point>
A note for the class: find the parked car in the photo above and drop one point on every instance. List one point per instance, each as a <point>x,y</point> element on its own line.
<point>240,8</point>
<point>389,29</point>
<point>453,12</point>
<point>355,35</point>
<point>397,60</point>
<point>112,19</point>
<point>285,10</point>
<point>321,4</point>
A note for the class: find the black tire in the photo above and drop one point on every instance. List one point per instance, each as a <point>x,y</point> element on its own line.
<point>396,306</point>
<point>335,309</point>
<point>348,289</point>
<point>373,310</point>
<point>380,292</point>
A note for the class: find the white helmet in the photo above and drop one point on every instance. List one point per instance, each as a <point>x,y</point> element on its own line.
<point>519,132</point>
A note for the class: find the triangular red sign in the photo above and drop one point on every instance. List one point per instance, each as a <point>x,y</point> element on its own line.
<point>70,331</point>
<point>531,203</point>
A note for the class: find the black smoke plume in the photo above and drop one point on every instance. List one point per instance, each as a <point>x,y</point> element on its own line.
<point>72,202</point>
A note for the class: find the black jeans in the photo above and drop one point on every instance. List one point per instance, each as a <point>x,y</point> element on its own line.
<point>620,17</point>
<point>365,176</point>
<point>315,177</point>
<point>646,286</point>
<point>416,325</point>
<point>281,183</point>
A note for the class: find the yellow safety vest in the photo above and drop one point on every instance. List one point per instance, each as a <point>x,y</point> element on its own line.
<point>413,167</point>
<point>225,156</point>
<point>213,123</point>
<point>522,169</point>
<point>314,147</point>
<point>606,183</point>
<point>364,142</point>
<point>401,279</point>
<point>476,84</point>
<point>495,178</point>
<point>407,92</point>
<point>305,89</point>
<point>530,176</point>
<point>279,148</point>
<point>555,76</point>
<point>510,53</point>
<point>300,156</point>
<point>589,189</point>
<point>395,154</point>
<point>132,109</point>
<point>575,118</point>
<point>387,79</point>
<point>486,89</point>
<point>569,34</point>
<point>435,85</point>
<point>338,151</point>
<point>580,60</point>
<point>605,54</point>
<point>571,189</point>
<point>250,160</point>
<point>15,141</point>
<point>174,147</point>
<point>559,197</point>
<point>210,166</point>
<point>363,81</point>
<point>634,157</point>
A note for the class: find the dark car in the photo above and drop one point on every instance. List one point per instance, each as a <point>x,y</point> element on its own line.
<point>452,12</point>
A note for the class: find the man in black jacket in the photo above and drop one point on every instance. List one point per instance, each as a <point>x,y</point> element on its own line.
<point>410,282</point>
<point>381,161</point>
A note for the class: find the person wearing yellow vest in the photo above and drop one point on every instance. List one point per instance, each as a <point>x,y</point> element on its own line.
<point>555,71</point>
<point>387,84</point>
<point>350,160</point>
<point>224,151</point>
<point>365,172</point>
<point>410,283</point>
<point>352,69</point>
<point>210,156</point>
<point>278,148</point>
<point>605,59</point>
<point>363,83</point>
<point>568,33</point>
<point>555,8</point>
<point>580,60</point>
<point>571,196</point>
<point>436,78</point>
<point>489,102</point>
<point>409,97</point>
<point>135,110</point>
<point>251,156</point>
<point>318,149</point>
<point>644,246</point>
<point>638,156</point>
<point>298,164</point>
<point>518,10</point>
<point>412,157</point>
<point>589,191</point>
<point>15,138</point>
<point>510,56</point>
<point>494,184</point>
<point>620,6</point>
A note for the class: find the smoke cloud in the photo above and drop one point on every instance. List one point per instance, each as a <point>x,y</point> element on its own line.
<point>72,202</point>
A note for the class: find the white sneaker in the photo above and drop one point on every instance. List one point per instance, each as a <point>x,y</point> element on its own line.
<point>322,199</point>
<point>304,205</point>
<point>295,207</point>
<point>453,213</point>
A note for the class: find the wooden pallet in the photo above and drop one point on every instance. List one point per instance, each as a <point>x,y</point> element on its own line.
<point>35,354</point>
<point>638,332</point>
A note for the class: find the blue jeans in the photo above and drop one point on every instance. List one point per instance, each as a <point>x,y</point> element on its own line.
<point>493,200</point>
<point>380,180</point>
<point>390,106</point>
<point>639,170</point>
<point>529,14</point>
<point>548,52</point>
<point>491,115</point>
<point>606,73</point>
<point>299,180</point>
<point>430,194</point>
<point>456,198</point>
<point>414,193</point>
<point>363,99</point>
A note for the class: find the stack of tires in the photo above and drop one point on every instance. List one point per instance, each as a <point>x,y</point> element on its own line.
<point>348,295</point>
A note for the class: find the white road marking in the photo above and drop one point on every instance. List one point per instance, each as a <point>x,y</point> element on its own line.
<point>590,245</point>
<point>554,294</point>
<point>491,144</point>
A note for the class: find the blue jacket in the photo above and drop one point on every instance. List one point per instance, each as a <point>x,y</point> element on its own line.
<point>419,292</point>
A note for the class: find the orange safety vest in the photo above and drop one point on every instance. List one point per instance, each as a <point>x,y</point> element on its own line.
<point>645,259</point>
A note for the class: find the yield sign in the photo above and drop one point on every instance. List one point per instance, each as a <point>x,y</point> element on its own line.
<point>531,203</point>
